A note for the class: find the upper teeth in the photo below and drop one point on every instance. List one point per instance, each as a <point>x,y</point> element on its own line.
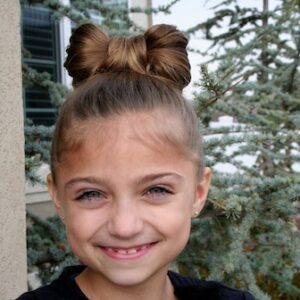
<point>127,251</point>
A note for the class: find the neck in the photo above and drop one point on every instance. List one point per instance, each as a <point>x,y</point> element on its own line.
<point>96,287</point>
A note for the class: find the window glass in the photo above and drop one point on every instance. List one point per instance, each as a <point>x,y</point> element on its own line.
<point>40,38</point>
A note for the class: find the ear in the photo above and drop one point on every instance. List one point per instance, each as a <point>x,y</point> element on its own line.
<point>52,189</point>
<point>201,192</point>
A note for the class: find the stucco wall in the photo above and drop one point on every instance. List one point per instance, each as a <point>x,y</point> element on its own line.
<point>12,196</point>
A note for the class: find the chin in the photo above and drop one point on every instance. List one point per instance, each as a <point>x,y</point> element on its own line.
<point>127,278</point>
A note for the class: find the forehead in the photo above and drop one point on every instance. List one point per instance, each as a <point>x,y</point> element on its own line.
<point>140,142</point>
<point>138,124</point>
<point>156,130</point>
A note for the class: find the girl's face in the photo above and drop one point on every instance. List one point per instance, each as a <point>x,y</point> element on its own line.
<point>127,202</point>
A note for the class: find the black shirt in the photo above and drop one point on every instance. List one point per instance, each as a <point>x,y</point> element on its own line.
<point>185,288</point>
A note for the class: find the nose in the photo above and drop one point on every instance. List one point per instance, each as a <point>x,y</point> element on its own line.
<point>125,220</point>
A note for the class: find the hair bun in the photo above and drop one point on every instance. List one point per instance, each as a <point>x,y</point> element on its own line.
<point>127,53</point>
<point>167,54</point>
<point>160,52</point>
<point>87,52</point>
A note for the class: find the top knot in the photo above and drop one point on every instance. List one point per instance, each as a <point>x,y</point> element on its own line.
<point>127,54</point>
<point>160,52</point>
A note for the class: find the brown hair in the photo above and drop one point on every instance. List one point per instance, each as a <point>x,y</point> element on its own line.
<point>112,76</point>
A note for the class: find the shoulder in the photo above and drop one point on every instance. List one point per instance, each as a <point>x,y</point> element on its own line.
<point>62,288</point>
<point>189,288</point>
<point>44,293</point>
<point>47,292</point>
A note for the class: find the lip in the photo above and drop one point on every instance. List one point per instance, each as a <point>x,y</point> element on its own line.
<point>127,253</point>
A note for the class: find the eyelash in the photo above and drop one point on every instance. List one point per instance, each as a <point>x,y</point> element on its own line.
<point>89,195</point>
<point>155,192</point>
<point>158,191</point>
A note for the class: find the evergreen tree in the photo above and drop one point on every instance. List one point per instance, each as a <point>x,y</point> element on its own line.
<point>48,250</point>
<point>247,234</point>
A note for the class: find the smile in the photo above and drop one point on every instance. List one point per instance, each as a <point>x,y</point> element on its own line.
<point>127,253</point>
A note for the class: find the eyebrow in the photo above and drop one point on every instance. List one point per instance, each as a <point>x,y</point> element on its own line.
<point>151,177</point>
<point>75,180</point>
<point>142,180</point>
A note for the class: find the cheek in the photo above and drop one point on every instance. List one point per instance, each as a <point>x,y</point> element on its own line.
<point>178,218</point>
<point>176,223</point>
<point>179,224</point>
<point>80,225</point>
<point>177,232</point>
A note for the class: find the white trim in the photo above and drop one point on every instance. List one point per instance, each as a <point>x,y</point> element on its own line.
<point>140,19</point>
<point>65,31</point>
<point>37,197</point>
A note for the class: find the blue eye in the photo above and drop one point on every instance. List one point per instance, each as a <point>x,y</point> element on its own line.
<point>158,191</point>
<point>90,196</point>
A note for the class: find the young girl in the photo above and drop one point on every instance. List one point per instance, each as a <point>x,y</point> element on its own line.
<point>127,169</point>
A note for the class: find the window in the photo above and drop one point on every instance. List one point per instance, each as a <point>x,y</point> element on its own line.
<point>40,38</point>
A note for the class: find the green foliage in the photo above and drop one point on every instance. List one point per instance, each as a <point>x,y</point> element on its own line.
<point>247,234</point>
<point>81,12</point>
<point>43,80</point>
<point>48,250</point>
<point>37,149</point>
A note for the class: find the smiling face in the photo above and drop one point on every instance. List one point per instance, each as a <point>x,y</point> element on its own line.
<point>127,202</point>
